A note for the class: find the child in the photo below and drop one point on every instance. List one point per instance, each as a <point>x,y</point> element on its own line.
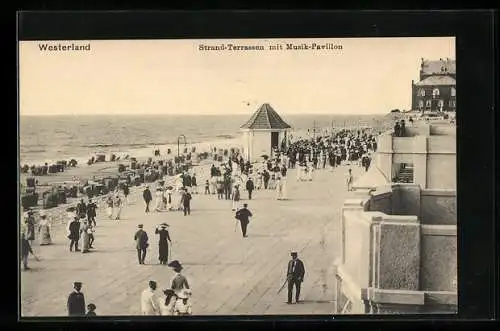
<point>91,310</point>
<point>182,306</point>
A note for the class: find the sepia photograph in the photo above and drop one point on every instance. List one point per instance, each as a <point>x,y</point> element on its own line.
<point>210,177</point>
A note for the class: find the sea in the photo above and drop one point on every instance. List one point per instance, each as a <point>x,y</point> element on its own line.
<point>51,138</point>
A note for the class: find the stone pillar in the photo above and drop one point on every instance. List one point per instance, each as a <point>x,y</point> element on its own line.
<point>420,161</point>
<point>384,155</point>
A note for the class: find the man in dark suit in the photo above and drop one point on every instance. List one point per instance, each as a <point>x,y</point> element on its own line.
<point>76,301</point>
<point>81,209</point>
<point>74,234</point>
<point>186,202</point>
<point>243,216</point>
<point>91,213</point>
<point>250,187</point>
<point>295,276</point>
<point>141,239</point>
<point>147,198</point>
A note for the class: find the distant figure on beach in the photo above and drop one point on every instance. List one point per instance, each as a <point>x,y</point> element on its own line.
<point>243,215</point>
<point>207,187</point>
<point>295,276</point>
<point>350,180</point>
<point>194,184</point>
<point>163,241</point>
<point>150,304</point>
<point>44,229</point>
<point>76,301</point>
<point>81,209</point>
<point>25,251</point>
<point>279,188</point>
<point>91,212</point>
<point>74,234</point>
<point>159,199</point>
<point>126,192</point>
<point>186,202</point>
<point>402,129</point>
<point>91,310</point>
<point>250,187</point>
<point>411,121</point>
<point>118,205</point>
<point>141,240</point>
<point>266,176</point>
<point>84,234</point>
<point>147,198</point>
<point>397,130</point>
<point>30,227</point>
<point>109,206</point>
<point>90,232</point>
<point>236,197</point>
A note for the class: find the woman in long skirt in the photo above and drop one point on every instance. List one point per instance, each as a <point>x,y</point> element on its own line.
<point>109,207</point>
<point>159,199</point>
<point>164,240</point>
<point>118,205</point>
<point>44,230</point>
<point>84,235</point>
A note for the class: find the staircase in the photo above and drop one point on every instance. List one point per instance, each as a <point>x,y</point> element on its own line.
<point>405,174</point>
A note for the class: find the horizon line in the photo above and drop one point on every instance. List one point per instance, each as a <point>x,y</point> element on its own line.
<point>203,114</point>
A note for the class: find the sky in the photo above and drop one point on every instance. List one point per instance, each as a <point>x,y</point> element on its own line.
<point>367,76</point>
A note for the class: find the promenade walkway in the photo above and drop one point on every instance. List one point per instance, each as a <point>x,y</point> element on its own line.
<point>228,274</point>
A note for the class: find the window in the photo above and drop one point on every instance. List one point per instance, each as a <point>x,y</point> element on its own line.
<point>435,92</point>
<point>420,104</point>
<point>453,92</point>
<point>421,92</point>
<point>440,104</point>
<point>428,104</point>
<point>452,103</point>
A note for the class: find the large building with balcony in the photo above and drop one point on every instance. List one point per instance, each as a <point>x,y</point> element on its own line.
<point>436,89</point>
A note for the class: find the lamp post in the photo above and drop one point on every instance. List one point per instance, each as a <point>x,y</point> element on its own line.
<point>178,143</point>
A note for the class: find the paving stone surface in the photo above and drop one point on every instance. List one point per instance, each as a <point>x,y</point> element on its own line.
<point>228,274</point>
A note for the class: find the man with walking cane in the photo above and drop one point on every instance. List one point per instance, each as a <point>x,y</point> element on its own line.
<point>295,276</point>
<point>243,216</point>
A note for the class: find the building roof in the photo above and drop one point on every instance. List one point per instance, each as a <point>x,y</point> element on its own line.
<point>265,118</point>
<point>437,80</point>
<point>441,66</point>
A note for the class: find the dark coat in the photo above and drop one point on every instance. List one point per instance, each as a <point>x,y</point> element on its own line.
<point>299,271</point>
<point>249,185</point>
<point>141,239</point>
<point>91,207</point>
<point>147,195</point>
<point>243,215</point>
<point>186,199</point>
<point>25,247</point>
<point>163,243</point>
<point>74,230</point>
<point>76,304</point>
<point>81,208</point>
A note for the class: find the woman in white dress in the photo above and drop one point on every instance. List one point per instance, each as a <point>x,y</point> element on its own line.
<point>159,199</point>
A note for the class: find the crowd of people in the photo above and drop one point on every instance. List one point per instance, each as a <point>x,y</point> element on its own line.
<point>227,180</point>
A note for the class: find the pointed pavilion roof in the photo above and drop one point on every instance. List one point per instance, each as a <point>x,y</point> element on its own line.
<point>265,118</point>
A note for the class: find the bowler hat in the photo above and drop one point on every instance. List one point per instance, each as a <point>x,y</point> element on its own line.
<point>140,226</point>
<point>175,264</point>
<point>164,225</point>
<point>77,284</point>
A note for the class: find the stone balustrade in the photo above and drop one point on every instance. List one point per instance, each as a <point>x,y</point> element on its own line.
<point>398,251</point>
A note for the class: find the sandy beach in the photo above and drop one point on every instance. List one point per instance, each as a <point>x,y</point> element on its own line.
<point>228,274</point>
